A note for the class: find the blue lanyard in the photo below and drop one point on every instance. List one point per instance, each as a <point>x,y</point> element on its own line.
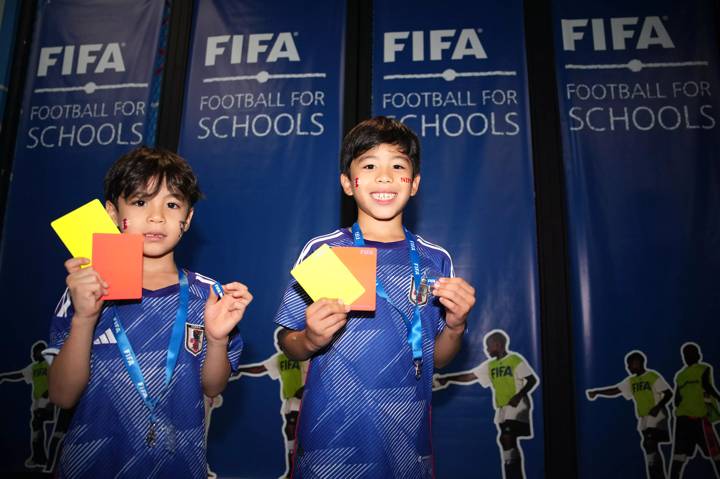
<point>133,366</point>
<point>414,325</point>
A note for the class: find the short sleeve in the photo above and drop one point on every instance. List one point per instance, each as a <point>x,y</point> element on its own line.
<point>271,366</point>
<point>625,388</point>
<point>27,374</point>
<point>660,385</point>
<point>447,271</point>
<point>291,313</point>
<point>235,347</point>
<point>482,372</point>
<point>59,327</point>
<point>523,370</point>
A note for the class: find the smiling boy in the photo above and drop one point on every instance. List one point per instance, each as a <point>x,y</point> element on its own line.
<point>136,371</point>
<point>366,404</point>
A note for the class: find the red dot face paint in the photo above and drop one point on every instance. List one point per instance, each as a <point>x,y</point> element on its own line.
<point>357,182</point>
<point>406,180</point>
<point>124,224</point>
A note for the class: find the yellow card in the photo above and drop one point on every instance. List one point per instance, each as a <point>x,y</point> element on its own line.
<point>76,228</point>
<point>323,275</point>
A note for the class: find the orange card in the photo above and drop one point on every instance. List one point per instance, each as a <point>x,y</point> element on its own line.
<point>362,263</point>
<point>119,260</point>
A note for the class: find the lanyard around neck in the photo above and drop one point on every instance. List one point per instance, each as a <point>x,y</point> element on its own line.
<point>414,325</point>
<point>130,359</point>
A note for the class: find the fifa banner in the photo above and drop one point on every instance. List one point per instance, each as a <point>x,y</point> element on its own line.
<point>262,129</point>
<point>455,74</point>
<point>85,104</point>
<point>638,84</point>
<point>8,21</point>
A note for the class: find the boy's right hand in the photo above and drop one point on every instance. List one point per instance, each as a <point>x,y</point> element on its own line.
<point>86,288</point>
<point>323,319</point>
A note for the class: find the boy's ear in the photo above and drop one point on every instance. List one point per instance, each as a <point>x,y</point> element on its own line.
<point>346,184</point>
<point>415,185</point>
<point>188,219</point>
<point>113,212</point>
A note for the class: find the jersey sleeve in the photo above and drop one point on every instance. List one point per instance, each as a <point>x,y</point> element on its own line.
<point>59,327</point>
<point>660,385</point>
<point>625,388</point>
<point>235,347</point>
<point>271,366</point>
<point>27,374</point>
<point>523,370</point>
<point>482,372</point>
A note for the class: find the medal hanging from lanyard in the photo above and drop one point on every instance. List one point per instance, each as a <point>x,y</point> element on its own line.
<point>133,367</point>
<point>414,325</point>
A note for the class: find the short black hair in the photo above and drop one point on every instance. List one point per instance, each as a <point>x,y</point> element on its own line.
<point>377,131</point>
<point>498,337</point>
<point>635,355</point>
<point>133,171</point>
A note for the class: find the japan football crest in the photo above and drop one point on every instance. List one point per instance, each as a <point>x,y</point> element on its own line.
<point>194,334</point>
<point>420,297</point>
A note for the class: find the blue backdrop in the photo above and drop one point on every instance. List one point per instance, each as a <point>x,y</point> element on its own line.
<point>455,73</point>
<point>84,105</point>
<point>262,129</point>
<point>637,83</point>
<point>8,21</point>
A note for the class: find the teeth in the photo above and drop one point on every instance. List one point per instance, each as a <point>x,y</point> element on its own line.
<point>384,196</point>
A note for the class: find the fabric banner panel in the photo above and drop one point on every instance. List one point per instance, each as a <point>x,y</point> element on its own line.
<point>85,104</point>
<point>455,73</point>
<point>638,85</point>
<point>262,129</point>
<point>8,22</point>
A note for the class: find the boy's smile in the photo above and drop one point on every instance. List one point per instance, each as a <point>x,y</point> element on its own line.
<point>382,183</point>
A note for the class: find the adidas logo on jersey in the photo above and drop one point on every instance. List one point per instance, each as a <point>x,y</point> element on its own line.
<point>106,338</point>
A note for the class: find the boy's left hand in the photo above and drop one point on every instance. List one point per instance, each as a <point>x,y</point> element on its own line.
<point>458,297</point>
<point>222,315</point>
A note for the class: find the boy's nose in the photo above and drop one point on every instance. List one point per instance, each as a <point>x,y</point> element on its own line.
<point>156,216</point>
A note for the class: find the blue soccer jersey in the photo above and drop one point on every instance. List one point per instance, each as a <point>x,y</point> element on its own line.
<point>107,435</point>
<point>364,412</point>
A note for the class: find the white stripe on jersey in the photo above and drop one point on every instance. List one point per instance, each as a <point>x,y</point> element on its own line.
<point>63,305</point>
<point>316,239</point>
<point>439,248</point>
<point>204,279</point>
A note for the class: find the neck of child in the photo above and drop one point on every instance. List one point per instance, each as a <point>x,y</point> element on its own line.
<point>384,231</point>
<point>159,272</point>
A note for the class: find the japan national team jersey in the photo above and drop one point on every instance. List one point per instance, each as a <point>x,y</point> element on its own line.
<point>364,413</point>
<point>107,435</point>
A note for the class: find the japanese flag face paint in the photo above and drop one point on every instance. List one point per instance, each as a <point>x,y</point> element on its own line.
<point>124,224</point>
<point>357,182</point>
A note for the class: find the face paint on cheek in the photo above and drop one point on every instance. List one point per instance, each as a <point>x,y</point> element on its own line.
<point>357,182</point>
<point>406,180</point>
<point>124,224</point>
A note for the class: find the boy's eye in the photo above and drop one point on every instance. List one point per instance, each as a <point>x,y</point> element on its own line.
<point>173,205</point>
<point>399,166</point>
<point>369,166</point>
<point>138,203</point>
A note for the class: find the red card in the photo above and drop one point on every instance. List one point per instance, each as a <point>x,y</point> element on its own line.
<point>362,263</point>
<point>119,261</point>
